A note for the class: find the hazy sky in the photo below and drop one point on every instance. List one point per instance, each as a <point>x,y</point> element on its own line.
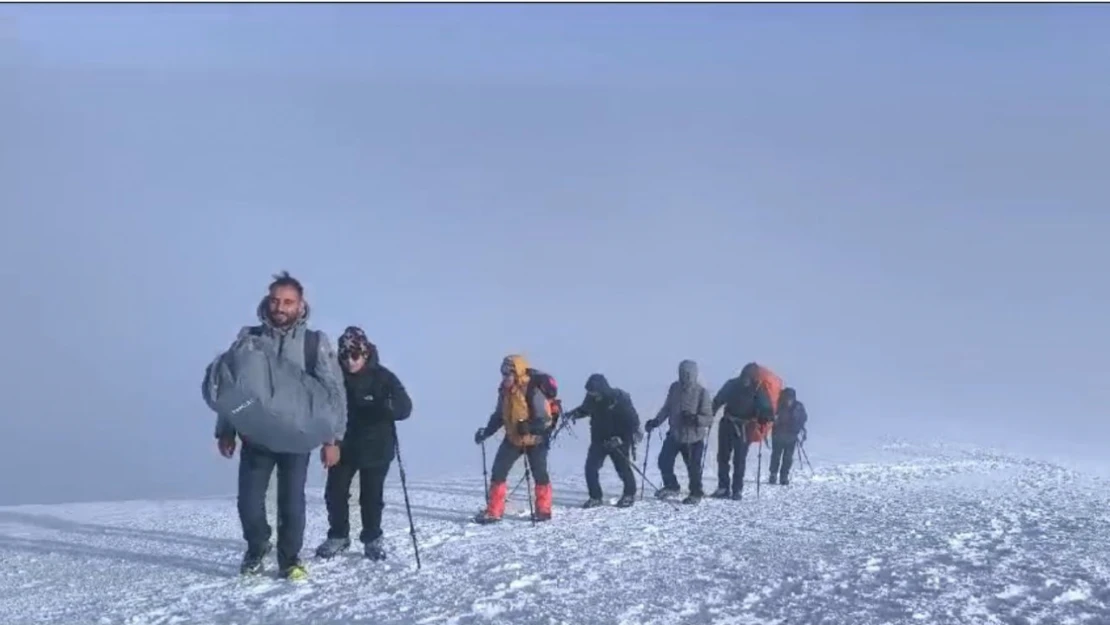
<point>901,209</point>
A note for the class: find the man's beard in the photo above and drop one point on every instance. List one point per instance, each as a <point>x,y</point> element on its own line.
<point>281,319</point>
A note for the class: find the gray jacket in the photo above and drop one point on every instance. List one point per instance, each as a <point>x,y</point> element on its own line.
<point>288,346</point>
<point>684,396</point>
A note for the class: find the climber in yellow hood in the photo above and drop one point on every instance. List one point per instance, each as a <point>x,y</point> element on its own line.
<point>526,409</point>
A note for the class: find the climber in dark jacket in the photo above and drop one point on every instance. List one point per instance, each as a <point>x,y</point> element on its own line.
<point>376,400</point>
<point>614,429</point>
<point>789,425</point>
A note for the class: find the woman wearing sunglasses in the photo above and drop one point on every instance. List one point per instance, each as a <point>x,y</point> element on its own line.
<point>376,400</point>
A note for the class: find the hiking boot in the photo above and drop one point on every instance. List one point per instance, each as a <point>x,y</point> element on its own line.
<point>542,516</point>
<point>692,499</point>
<point>738,496</point>
<point>332,546</point>
<point>720,493</point>
<point>252,559</point>
<point>784,481</point>
<point>485,518</point>
<point>591,503</point>
<point>667,493</point>
<point>772,480</point>
<point>293,572</point>
<point>374,550</point>
<point>626,501</point>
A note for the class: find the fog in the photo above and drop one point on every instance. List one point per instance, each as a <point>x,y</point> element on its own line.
<point>899,209</point>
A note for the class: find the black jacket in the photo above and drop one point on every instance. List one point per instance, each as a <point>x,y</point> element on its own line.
<point>611,412</point>
<point>790,422</point>
<point>376,399</point>
<point>742,401</point>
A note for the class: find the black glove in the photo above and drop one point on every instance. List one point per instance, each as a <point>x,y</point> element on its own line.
<point>479,436</point>
<point>576,414</point>
<point>650,425</point>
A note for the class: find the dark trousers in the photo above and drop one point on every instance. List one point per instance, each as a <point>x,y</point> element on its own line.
<point>621,456</point>
<point>732,453</point>
<point>256,465</point>
<point>371,502</point>
<point>782,453</point>
<point>691,455</point>
<point>508,454</point>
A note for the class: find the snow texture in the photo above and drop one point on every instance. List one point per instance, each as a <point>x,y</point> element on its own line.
<point>927,535</point>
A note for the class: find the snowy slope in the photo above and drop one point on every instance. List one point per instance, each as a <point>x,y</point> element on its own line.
<point>922,536</point>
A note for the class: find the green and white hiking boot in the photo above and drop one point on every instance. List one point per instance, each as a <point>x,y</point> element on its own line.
<point>294,572</point>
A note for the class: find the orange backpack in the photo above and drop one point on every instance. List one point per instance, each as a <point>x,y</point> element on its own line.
<point>766,379</point>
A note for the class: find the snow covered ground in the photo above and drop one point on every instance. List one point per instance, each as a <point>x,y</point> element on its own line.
<point>922,535</point>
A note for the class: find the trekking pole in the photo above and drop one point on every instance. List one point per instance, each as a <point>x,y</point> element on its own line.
<point>759,469</point>
<point>528,477</point>
<point>645,478</point>
<point>485,474</point>
<point>708,438</point>
<point>805,456</point>
<point>405,490</point>
<point>513,491</point>
<point>647,454</point>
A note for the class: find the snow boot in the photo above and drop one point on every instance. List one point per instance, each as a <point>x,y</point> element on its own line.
<point>543,502</point>
<point>626,501</point>
<point>332,547</point>
<point>252,559</point>
<point>591,503</point>
<point>496,507</point>
<point>294,571</point>
<point>720,493</point>
<point>692,499</point>
<point>667,493</point>
<point>374,550</point>
<point>784,481</point>
<point>484,518</point>
<point>738,495</point>
<point>772,480</point>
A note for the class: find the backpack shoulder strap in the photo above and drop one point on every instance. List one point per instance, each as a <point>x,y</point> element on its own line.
<point>311,351</point>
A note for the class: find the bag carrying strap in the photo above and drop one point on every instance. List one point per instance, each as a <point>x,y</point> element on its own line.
<point>311,348</point>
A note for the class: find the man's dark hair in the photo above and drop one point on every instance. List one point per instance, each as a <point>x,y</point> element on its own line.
<point>284,279</point>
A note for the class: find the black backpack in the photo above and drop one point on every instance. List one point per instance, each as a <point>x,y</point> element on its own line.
<point>311,348</point>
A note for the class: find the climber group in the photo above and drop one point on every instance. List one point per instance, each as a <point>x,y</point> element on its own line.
<point>756,406</point>
<point>283,392</point>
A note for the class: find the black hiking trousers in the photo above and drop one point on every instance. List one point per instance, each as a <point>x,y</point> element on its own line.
<point>256,465</point>
<point>691,455</point>
<point>595,457</point>
<point>782,457</point>
<point>508,454</point>
<point>371,499</point>
<point>732,449</point>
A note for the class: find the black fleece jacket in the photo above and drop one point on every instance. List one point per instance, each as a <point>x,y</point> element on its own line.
<point>376,399</point>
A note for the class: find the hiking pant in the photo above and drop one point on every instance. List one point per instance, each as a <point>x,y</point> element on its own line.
<point>337,494</point>
<point>595,457</point>
<point>256,465</point>
<point>782,452</point>
<point>732,447</point>
<point>508,454</point>
<point>691,456</point>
